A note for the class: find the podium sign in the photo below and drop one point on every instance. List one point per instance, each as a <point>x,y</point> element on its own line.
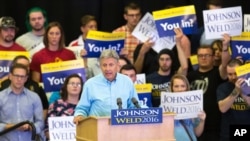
<point>136,116</point>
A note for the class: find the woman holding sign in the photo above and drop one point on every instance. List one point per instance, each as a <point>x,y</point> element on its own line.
<point>70,95</point>
<point>187,129</point>
<point>54,50</point>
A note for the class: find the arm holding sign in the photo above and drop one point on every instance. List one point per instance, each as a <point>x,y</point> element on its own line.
<point>139,59</point>
<point>181,55</point>
<point>225,56</point>
<point>229,91</point>
<point>201,123</point>
<point>225,104</point>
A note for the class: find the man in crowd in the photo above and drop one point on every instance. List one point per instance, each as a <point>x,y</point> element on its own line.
<point>8,31</point>
<point>233,104</point>
<point>19,104</point>
<point>130,71</point>
<point>36,21</point>
<point>208,78</point>
<point>29,84</point>
<point>167,62</point>
<point>132,14</point>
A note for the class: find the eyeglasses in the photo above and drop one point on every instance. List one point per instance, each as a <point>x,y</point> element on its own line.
<point>204,55</point>
<point>19,76</point>
<point>75,84</point>
<point>134,15</point>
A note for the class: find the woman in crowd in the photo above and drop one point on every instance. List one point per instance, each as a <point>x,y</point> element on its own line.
<point>187,129</point>
<point>217,46</point>
<point>54,50</point>
<point>70,95</point>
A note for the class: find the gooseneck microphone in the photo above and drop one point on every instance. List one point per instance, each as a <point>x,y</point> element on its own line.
<point>135,102</point>
<point>119,103</point>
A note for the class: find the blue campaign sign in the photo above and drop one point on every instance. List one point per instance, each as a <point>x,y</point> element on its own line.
<point>53,81</point>
<point>145,99</point>
<point>4,67</point>
<point>240,49</point>
<point>136,116</point>
<point>245,86</point>
<point>187,23</point>
<point>95,47</point>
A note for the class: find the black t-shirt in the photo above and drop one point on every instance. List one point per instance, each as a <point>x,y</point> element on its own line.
<point>238,113</point>
<point>208,82</point>
<point>160,83</point>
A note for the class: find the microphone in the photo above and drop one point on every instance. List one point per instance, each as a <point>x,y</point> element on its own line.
<point>135,102</point>
<point>119,103</point>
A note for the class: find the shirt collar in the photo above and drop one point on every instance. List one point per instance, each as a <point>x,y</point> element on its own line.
<point>106,80</point>
<point>9,91</point>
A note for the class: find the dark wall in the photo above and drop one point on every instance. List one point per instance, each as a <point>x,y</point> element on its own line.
<point>108,12</point>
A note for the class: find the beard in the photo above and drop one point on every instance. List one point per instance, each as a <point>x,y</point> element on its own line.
<point>37,28</point>
<point>9,39</point>
<point>165,69</point>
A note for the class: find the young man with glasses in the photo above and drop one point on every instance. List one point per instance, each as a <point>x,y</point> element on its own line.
<point>29,84</point>
<point>19,104</point>
<point>132,14</point>
<point>207,78</point>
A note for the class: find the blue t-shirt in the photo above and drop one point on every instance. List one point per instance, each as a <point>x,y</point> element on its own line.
<point>160,83</point>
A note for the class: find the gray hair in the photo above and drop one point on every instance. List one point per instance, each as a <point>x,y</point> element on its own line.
<point>109,53</point>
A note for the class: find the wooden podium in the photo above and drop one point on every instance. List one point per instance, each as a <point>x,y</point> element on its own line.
<point>100,129</point>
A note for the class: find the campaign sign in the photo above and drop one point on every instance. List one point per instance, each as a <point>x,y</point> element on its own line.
<point>97,41</point>
<point>144,92</point>
<point>247,22</point>
<point>140,78</point>
<point>76,50</point>
<point>146,30</point>
<point>136,116</point>
<point>62,128</point>
<point>194,62</point>
<point>244,72</point>
<point>240,46</point>
<point>54,74</point>
<point>6,58</point>
<point>180,17</point>
<point>220,21</point>
<point>184,104</point>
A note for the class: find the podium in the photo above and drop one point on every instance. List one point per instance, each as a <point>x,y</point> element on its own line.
<point>100,129</point>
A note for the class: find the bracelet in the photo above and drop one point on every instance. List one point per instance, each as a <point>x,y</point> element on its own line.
<point>234,92</point>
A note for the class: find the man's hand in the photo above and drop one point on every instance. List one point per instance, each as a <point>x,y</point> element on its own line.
<point>78,119</point>
<point>25,127</point>
<point>146,47</point>
<point>179,34</point>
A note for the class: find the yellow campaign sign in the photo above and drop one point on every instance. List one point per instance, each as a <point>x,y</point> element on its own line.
<point>143,88</point>
<point>61,66</point>
<point>194,59</point>
<point>10,55</point>
<point>105,36</point>
<point>245,36</point>
<point>242,70</point>
<point>174,12</point>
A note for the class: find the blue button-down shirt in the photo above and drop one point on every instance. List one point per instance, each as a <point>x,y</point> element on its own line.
<point>100,95</point>
<point>15,108</point>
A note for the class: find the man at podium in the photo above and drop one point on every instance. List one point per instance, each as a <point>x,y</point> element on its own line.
<point>106,91</point>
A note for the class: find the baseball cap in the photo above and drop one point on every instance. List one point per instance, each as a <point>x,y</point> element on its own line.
<point>7,22</point>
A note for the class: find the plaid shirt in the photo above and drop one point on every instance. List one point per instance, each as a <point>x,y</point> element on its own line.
<point>130,42</point>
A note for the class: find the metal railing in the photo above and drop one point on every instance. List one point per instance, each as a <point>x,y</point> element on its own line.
<point>33,135</point>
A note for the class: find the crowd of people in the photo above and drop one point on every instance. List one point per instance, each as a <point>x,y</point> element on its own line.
<point>113,75</point>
